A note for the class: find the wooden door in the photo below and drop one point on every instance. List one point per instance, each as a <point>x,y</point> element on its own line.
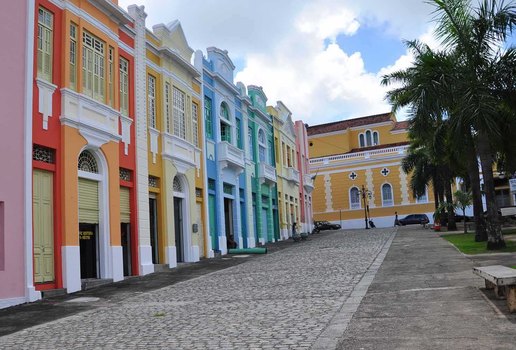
<point>43,223</point>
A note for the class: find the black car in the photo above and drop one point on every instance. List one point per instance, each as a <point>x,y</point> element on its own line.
<point>325,225</point>
<point>414,219</point>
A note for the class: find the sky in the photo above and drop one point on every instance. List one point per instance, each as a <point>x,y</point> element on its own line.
<point>323,58</point>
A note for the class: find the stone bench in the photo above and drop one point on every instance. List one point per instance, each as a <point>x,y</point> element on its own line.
<point>502,279</point>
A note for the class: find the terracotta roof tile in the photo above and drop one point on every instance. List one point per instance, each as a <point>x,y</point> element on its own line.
<point>348,123</point>
<point>401,125</point>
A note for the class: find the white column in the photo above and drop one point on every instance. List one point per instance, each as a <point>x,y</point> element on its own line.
<point>142,172</point>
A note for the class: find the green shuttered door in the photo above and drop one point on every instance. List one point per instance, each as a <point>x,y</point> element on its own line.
<point>88,201</point>
<point>125,206</point>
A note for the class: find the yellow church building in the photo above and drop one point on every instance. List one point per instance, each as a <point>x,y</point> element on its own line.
<point>357,163</point>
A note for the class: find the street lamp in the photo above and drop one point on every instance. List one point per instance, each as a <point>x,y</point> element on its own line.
<point>366,194</point>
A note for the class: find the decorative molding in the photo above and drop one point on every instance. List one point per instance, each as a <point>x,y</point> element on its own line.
<point>327,192</point>
<point>404,187</point>
<point>180,152</point>
<point>125,132</point>
<point>67,5</point>
<point>97,122</point>
<point>153,135</point>
<point>370,186</point>
<point>45,91</point>
<point>177,80</point>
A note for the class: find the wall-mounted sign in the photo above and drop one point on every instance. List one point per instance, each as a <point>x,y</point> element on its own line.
<point>512,185</point>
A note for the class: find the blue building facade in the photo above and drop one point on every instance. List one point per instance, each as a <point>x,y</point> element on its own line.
<point>225,155</point>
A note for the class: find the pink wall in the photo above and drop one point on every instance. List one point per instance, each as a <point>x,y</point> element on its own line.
<point>13,19</point>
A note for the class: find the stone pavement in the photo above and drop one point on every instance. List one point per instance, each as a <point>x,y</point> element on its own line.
<point>300,297</point>
<point>425,296</point>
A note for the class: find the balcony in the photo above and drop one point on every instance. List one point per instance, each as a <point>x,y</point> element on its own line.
<point>293,175</point>
<point>230,156</point>
<point>266,173</point>
<point>308,183</point>
<point>183,154</point>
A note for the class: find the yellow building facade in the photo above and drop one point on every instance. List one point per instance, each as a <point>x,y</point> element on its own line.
<point>357,163</point>
<point>287,169</point>
<point>175,168</point>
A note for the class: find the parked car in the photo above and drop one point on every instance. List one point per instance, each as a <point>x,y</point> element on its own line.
<point>414,219</point>
<point>325,225</point>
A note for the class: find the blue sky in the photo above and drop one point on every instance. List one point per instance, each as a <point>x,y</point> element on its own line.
<point>323,58</point>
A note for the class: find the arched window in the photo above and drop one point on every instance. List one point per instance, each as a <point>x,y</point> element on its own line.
<point>224,111</point>
<point>225,128</point>
<point>362,141</point>
<point>88,163</point>
<point>354,198</point>
<point>176,185</point>
<point>387,198</point>
<point>368,138</point>
<point>375,138</point>
<point>261,146</point>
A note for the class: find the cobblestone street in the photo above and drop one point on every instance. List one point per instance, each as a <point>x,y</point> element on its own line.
<point>283,300</point>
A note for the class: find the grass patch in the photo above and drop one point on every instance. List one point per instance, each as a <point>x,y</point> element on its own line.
<point>466,244</point>
<point>159,314</point>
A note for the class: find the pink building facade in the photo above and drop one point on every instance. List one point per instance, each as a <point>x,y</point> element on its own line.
<point>15,142</point>
<point>305,178</point>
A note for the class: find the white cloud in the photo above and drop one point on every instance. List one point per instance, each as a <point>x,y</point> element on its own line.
<point>284,47</point>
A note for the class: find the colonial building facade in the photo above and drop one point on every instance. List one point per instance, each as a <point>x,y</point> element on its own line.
<point>224,151</point>
<point>287,168</point>
<point>175,176</point>
<point>306,180</point>
<point>84,217</point>
<point>357,169</point>
<point>262,171</point>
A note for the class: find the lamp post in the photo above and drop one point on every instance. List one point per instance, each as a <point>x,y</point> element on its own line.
<point>365,195</point>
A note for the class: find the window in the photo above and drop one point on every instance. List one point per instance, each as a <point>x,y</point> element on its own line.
<point>87,162</point>
<point>224,111</point>
<point>179,98</point>
<point>375,138</point>
<point>289,159</point>
<point>167,107</point>
<point>195,122</point>
<point>225,132</point>
<point>261,146</point>
<point>151,99</point>
<point>238,133</point>
<point>362,140</point>
<point>73,56</point>
<point>423,198</point>
<point>45,28</point>
<point>93,67</point>
<point>111,68</point>
<point>368,138</point>
<point>208,118</point>
<point>354,198</point>
<point>387,200</point>
<point>124,86</point>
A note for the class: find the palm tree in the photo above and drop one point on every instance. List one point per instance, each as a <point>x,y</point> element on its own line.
<point>468,83</point>
<point>479,34</point>
<point>462,201</point>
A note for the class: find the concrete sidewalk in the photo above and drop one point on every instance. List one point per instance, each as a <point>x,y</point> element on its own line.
<point>425,296</point>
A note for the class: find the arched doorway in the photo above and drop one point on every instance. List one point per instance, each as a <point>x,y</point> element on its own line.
<point>92,234</point>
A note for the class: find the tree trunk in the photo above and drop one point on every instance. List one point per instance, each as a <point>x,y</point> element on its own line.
<point>494,230</point>
<point>476,193</point>
<point>452,225</point>
<point>464,220</point>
